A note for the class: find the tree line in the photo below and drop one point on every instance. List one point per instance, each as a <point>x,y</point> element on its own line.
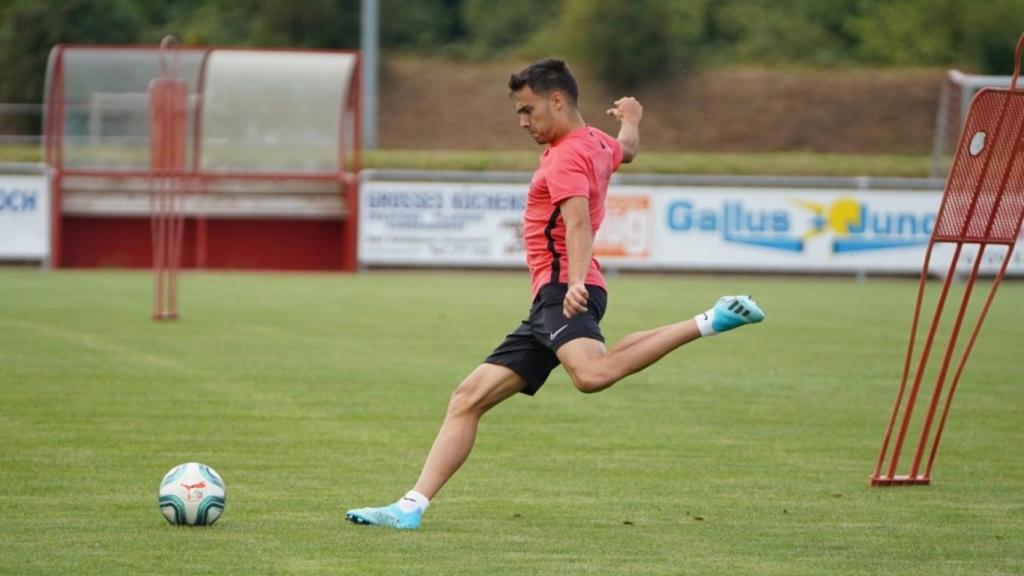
<point>625,42</point>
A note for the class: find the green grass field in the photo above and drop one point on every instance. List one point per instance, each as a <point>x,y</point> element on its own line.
<point>310,394</point>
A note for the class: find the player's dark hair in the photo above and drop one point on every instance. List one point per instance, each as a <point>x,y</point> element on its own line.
<point>547,76</point>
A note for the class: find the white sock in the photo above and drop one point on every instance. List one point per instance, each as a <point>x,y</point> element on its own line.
<point>413,500</point>
<point>704,321</point>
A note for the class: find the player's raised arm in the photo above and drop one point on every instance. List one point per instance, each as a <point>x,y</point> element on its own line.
<point>628,112</point>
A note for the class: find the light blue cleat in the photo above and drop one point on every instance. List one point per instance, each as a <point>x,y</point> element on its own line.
<point>390,516</point>
<point>735,311</point>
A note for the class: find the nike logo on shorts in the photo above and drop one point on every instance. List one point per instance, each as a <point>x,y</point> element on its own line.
<point>557,332</point>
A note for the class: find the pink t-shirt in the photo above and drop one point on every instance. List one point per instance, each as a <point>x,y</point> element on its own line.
<point>577,164</point>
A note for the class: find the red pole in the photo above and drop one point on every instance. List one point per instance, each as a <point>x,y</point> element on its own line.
<point>350,179</point>
<point>55,219</point>
<point>54,155</point>
<point>963,359</point>
<point>906,363</point>
<point>912,399</point>
<point>156,194</point>
<point>941,380</point>
<point>168,120</point>
<point>178,118</point>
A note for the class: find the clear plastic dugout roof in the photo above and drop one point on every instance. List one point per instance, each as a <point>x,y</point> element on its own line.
<point>249,111</point>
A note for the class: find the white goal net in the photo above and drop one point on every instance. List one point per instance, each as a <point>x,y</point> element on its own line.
<point>958,89</point>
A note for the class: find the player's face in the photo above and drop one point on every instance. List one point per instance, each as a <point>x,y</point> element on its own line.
<point>535,115</point>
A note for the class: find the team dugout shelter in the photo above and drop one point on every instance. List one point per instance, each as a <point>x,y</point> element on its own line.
<point>270,145</point>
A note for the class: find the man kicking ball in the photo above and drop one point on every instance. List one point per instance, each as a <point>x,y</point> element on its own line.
<point>564,209</point>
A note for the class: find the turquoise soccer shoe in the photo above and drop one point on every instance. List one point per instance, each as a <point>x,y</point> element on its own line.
<point>390,516</point>
<point>735,311</point>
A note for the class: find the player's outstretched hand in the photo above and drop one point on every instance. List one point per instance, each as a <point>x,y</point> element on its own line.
<point>575,300</point>
<point>627,109</point>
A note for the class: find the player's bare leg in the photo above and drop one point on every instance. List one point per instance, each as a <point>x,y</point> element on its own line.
<point>484,388</point>
<point>593,368</point>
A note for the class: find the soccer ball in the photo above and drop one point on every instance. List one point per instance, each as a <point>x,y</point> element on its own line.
<point>192,494</point>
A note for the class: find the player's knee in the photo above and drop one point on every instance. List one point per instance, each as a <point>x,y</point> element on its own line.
<point>469,397</point>
<point>590,385</point>
<point>592,379</point>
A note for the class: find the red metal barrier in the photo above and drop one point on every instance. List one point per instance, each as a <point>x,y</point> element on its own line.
<point>983,205</point>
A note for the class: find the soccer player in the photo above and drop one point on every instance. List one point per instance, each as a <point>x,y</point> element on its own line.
<point>564,210</point>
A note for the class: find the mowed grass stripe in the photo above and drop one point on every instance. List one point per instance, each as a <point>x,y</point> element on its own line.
<point>743,454</point>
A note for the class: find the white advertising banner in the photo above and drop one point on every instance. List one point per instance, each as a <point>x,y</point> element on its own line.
<point>24,218</point>
<point>670,228</point>
<point>441,224</point>
<point>829,230</point>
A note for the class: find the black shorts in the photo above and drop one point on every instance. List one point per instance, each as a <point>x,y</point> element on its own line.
<point>530,350</point>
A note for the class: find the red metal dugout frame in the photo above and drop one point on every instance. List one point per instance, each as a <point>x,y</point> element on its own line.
<point>983,204</point>
<point>249,243</point>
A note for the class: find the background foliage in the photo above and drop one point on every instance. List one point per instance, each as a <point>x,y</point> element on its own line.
<point>626,43</point>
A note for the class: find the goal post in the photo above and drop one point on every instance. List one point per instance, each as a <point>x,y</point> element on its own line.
<point>955,95</point>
